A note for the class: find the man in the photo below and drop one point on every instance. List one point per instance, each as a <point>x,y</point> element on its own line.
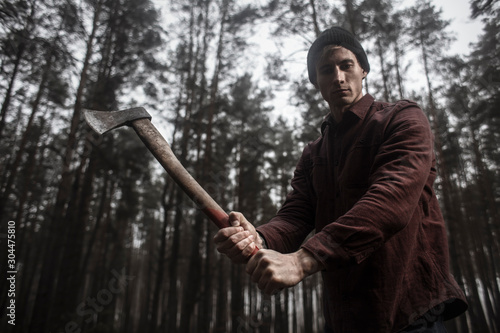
<point>365,187</point>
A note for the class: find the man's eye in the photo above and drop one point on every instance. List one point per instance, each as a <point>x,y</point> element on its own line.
<point>326,70</point>
<point>346,67</point>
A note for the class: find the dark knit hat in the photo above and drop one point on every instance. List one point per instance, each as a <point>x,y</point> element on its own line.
<point>335,36</point>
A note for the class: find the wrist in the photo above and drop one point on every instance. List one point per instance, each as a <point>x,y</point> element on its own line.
<point>308,263</point>
<point>260,241</point>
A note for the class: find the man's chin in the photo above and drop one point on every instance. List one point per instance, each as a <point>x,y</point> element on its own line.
<point>345,101</point>
<point>342,101</point>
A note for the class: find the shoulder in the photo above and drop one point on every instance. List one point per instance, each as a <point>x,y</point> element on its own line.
<point>402,111</point>
<point>395,107</point>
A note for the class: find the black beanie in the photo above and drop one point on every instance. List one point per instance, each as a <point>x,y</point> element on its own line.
<point>335,36</point>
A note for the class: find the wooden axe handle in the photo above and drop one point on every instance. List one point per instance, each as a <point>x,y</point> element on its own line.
<point>161,150</point>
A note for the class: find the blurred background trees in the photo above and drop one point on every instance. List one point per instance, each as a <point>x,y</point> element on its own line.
<point>105,242</point>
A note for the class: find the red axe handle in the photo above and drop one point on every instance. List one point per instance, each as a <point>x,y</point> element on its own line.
<point>161,150</point>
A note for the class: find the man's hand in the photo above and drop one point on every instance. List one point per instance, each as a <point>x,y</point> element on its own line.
<point>238,241</point>
<point>273,271</point>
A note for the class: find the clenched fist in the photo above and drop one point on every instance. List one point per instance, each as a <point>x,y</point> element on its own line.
<point>239,241</point>
<point>273,271</point>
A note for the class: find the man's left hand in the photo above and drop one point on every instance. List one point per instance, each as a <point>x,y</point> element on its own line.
<point>273,271</point>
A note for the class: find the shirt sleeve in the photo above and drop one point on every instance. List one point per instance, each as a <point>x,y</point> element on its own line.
<point>295,220</point>
<point>400,171</point>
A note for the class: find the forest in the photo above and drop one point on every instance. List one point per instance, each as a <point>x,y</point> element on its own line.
<point>95,236</point>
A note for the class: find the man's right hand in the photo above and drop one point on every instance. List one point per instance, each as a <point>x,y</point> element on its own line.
<point>238,241</point>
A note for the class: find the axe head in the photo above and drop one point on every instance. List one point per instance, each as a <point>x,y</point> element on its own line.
<point>104,121</point>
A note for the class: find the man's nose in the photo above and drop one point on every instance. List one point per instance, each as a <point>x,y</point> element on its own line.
<point>338,76</point>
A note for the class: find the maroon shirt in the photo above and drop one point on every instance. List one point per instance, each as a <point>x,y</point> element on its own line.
<point>365,186</point>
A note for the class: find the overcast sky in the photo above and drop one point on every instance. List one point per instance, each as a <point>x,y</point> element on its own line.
<point>466,30</point>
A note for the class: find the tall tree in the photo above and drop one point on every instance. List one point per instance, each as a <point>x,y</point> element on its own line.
<point>472,105</point>
<point>20,17</point>
<point>51,261</point>
<point>429,36</point>
<point>76,186</point>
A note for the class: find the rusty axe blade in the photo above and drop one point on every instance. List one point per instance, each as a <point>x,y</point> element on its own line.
<point>104,121</point>
<point>140,120</point>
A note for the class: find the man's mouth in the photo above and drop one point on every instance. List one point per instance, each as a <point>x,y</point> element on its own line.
<point>340,91</point>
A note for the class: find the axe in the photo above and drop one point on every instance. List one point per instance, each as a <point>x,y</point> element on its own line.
<point>104,121</point>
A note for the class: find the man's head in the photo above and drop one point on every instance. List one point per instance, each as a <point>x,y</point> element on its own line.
<point>335,36</point>
<point>337,65</point>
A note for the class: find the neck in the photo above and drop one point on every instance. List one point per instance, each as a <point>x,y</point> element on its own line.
<point>338,111</point>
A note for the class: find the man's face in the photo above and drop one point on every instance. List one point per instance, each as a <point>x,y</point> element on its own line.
<point>340,79</point>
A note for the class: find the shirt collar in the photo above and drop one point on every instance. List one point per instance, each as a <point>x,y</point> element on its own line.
<point>359,109</point>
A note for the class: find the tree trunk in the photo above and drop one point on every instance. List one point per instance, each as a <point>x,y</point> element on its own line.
<point>314,17</point>
<point>207,304</point>
<point>24,38</point>
<point>8,94</point>
<point>30,239</point>
<point>399,78</point>
<point>8,188</point>
<point>237,315</point>
<point>308,311</point>
<point>173,300</point>
<point>69,276</point>
<point>157,291</point>
<point>383,70</point>
<point>349,6</point>
<point>453,216</point>
<point>222,300</point>
<point>46,282</point>
<point>192,283</point>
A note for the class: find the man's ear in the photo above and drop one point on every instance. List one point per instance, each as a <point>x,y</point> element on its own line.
<point>364,74</point>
